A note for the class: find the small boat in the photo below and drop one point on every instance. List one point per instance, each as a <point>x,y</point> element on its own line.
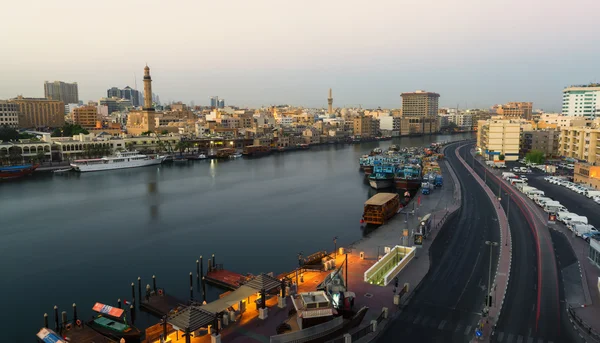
<point>183,159</point>
<point>59,171</point>
<point>202,157</point>
<point>111,323</point>
<point>236,155</point>
<point>380,208</point>
<point>13,172</point>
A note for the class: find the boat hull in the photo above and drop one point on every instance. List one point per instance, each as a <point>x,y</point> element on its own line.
<point>132,336</point>
<point>407,184</point>
<point>112,166</point>
<point>16,172</point>
<point>368,169</point>
<point>381,183</point>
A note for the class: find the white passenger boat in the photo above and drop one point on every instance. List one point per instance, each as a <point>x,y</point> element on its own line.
<point>125,159</point>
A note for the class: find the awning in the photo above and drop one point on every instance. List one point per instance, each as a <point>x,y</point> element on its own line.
<point>263,281</point>
<point>109,310</point>
<point>191,318</point>
<point>49,336</point>
<point>230,299</point>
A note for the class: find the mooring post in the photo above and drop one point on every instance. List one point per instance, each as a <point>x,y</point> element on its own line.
<point>203,289</point>
<point>64,319</point>
<point>154,282</point>
<point>191,279</point>
<point>133,291</point>
<point>56,318</point>
<point>119,303</point>
<point>214,261</point>
<point>46,320</point>
<point>191,292</point>
<point>132,310</point>
<point>198,272</point>
<point>74,312</point>
<point>139,288</point>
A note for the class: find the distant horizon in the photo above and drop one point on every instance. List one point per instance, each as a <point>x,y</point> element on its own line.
<point>266,52</point>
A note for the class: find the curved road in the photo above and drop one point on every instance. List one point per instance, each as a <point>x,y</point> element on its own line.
<point>446,307</point>
<point>534,299</point>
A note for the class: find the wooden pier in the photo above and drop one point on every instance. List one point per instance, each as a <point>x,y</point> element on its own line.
<point>160,305</point>
<point>224,278</point>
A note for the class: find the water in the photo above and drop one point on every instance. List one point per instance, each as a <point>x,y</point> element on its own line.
<point>85,237</point>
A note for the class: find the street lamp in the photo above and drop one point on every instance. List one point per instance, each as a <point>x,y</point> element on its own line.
<point>488,303</point>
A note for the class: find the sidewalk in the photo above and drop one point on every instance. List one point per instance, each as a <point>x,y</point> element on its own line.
<point>502,274</point>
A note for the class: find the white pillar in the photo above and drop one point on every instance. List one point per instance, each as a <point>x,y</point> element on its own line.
<point>374,325</point>
<point>347,338</point>
<point>396,299</point>
<point>215,338</point>
<point>281,302</point>
<point>386,312</point>
<point>263,313</point>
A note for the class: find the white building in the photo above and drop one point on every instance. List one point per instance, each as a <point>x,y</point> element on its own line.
<point>389,123</point>
<point>285,121</point>
<point>581,101</point>
<point>9,114</point>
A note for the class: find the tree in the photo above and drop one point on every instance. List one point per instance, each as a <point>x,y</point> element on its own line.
<point>69,130</point>
<point>14,154</point>
<point>181,146</point>
<point>452,127</point>
<point>164,132</point>
<point>40,156</point>
<point>501,157</point>
<point>146,133</point>
<point>2,156</point>
<point>535,156</point>
<point>8,134</point>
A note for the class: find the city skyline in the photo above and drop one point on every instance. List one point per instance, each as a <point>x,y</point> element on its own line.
<point>266,52</point>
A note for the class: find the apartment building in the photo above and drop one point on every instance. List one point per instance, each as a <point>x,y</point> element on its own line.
<point>497,137</point>
<point>581,142</point>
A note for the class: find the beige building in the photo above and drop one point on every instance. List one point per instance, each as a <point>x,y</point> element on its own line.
<point>140,121</point>
<point>497,137</point>
<point>421,108</point>
<point>516,110</point>
<point>86,116</point>
<point>559,121</point>
<point>587,174</point>
<point>39,112</point>
<point>9,114</point>
<point>581,142</point>
<point>365,127</point>
<point>61,91</point>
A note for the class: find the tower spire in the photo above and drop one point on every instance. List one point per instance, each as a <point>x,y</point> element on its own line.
<point>147,89</point>
<point>330,102</point>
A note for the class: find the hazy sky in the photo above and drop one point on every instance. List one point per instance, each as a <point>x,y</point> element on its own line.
<point>259,52</point>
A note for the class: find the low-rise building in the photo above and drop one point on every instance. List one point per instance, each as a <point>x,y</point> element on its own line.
<point>9,114</point>
<point>587,174</point>
<point>86,116</point>
<point>581,142</point>
<point>541,140</point>
<point>39,112</point>
<point>496,137</point>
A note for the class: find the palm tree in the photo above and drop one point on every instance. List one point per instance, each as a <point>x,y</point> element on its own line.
<point>129,146</point>
<point>181,146</point>
<point>15,154</point>
<point>40,156</point>
<point>160,146</point>
<point>2,156</point>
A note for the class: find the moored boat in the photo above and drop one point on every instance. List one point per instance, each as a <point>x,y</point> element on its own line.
<point>225,152</point>
<point>256,150</point>
<point>61,171</point>
<point>13,172</point>
<point>111,323</point>
<point>380,208</point>
<point>122,160</point>
<point>408,178</point>
<point>382,177</point>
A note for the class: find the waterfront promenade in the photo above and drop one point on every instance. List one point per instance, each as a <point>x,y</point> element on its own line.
<point>441,203</point>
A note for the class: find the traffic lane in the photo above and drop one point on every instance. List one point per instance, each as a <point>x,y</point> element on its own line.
<point>518,312</point>
<point>574,202</point>
<point>448,302</point>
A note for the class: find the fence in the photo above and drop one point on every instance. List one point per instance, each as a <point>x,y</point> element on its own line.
<point>362,332</point>
<point>381,317</point>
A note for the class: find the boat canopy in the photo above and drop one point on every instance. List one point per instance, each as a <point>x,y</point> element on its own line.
<point>109,310</point>
<point>381,199</point>
<point>49,336</point>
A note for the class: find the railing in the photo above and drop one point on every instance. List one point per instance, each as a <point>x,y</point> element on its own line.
<point>381,317</point>
<point>362,332</point>
<point>581,323</point>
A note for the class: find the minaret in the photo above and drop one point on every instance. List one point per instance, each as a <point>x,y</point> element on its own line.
<point>330,102</point>
<point>147,90</point>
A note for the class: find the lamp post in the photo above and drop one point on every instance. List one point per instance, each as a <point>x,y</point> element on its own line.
<point>489,293</point>
<point>335,247</point>
<point>299,265</point>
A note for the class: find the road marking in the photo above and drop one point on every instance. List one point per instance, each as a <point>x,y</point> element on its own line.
<point>417,320</point>
<point>467,329</point>
<point>442,324</point>
<point>500,336</point>
<point>458,327</point>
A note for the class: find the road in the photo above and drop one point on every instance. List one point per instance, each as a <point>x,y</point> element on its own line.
<point>447,305</point>
<point>535,298</point>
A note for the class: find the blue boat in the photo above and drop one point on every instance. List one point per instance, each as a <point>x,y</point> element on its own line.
<point>383,176</point>
<point>13,172</point>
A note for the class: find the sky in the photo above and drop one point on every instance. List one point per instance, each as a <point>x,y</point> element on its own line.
<point>474,53</point>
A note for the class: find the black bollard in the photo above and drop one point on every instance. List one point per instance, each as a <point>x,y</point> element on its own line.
<point>201,268</point>
<point>214,261</point>
<point>154,282</point>
<point>164,323</point>
<point>209,265</point>
<point>198,271</point>
<point>56,318</point>
<point>119,303</point>
<point>46,320</point>
<point>74,312</point>
<point>203,289</point>
<point>139,288</point>
<point>191,292</point>
<point>191,279</point>
<point>132,309</point>
<point>133,291</point>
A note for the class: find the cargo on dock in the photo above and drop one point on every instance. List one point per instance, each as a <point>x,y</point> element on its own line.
<point>380,208</point>
<point>224,278</point>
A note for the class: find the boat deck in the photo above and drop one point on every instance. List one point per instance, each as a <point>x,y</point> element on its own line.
<point>85,334</point>
<point>224,278</point>
<point>161,305</point>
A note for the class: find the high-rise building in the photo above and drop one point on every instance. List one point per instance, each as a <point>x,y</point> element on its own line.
<point>330,102</point>
<point>221,103</point>
<point>9,114</point>
<point>86,116</point>
<point>214,101</point>
<point>139,121</point>
<point>497,137</point>
<point>515,110</point>
<point>421,110</point>
<point>111,103</point>
<point>128,93</point>
<point>580,142</point>
<point>113,92</point>
<point>581,101</point>
<point>39,112</point>
<point>61,91</point>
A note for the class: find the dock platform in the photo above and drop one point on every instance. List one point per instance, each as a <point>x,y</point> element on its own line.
<point>161,305</point>
<point>225,278</point>
<point>85,334</point>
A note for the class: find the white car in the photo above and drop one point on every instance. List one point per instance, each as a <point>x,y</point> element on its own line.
<point>580,190</point>
<point>523,178</point>
<point>516,170</point>
<point>548,178</point>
